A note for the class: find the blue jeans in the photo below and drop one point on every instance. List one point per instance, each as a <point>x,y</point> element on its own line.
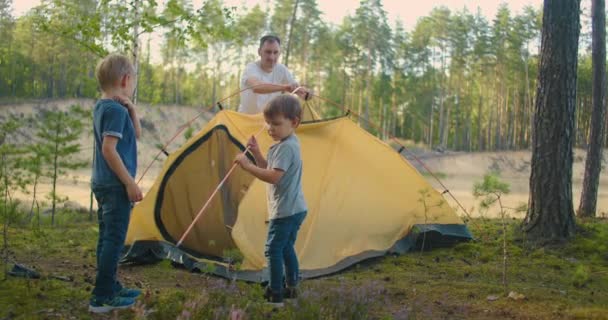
<point>282,234</point>
<point>113,213</point>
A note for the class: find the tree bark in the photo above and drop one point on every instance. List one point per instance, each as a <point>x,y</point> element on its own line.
<point>593,164</point>
<point>550,215</point>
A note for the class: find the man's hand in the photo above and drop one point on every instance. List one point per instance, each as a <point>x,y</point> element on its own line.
<point>242,160</point>
<point>290,87</point>
<point>304,93</point>
<point>134,192</point>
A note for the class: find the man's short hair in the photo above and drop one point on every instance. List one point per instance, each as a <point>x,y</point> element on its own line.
<point>286,105</point>
<point>269,38</point>
<point>111,69</point>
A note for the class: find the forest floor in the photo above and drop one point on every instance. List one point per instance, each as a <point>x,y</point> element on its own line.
<point>562,281</point>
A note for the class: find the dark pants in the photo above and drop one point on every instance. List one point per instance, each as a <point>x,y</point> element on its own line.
<point>282,234</point>
<point>113,216</point>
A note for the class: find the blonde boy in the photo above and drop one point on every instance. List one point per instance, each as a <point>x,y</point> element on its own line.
<point>116,128</point>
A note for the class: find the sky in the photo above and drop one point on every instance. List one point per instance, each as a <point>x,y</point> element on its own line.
<point>408,11</point>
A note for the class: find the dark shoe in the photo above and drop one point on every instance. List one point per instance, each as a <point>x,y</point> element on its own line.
<point>106,305</point>
<point>272,298</point>
<point>129,293</point>
<point>290,293</point>
<point>20,270</point>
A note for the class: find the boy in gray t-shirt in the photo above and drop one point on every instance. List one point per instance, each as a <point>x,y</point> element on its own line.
<point>283,173</point>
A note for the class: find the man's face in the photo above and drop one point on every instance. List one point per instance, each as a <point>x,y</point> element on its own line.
<point>269,53</point>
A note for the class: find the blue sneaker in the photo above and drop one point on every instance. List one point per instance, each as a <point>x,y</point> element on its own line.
<point>129,293</point>
<point>107,305</point>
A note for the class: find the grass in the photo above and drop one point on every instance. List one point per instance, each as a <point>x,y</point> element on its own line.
<point>561,282</point>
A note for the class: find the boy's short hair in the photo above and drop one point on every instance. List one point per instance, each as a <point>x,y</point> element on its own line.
<point>286,105</point>
<point>111,69</point>
<point>269,38</point>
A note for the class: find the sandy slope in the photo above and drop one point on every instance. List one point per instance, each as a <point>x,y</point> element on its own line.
<point>457,171</point>
<point>461,170</point>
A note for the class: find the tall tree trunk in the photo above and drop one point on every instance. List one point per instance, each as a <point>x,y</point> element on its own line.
<point>135,45</point>
<point>368,89</point>
<point>442,94</point>
<point>593,165</point>
<point>289,37</point>
<point>550,213</point>
<point>430,136</point>
<point>479,128</point>
<point>528,105</point>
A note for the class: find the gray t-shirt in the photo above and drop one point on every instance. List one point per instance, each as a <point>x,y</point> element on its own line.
<point>252,102</point>
<point>286,197</point>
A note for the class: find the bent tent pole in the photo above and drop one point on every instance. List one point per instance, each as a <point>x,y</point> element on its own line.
<point>219,186</point>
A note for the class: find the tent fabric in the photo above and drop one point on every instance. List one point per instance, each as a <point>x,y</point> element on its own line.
<point>364,200</point>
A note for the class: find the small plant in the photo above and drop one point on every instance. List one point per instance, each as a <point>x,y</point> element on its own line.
<point>425,195</point>
<point>580,276</point>
<point>188,133</point>
<point>491,190</point>
<point>58,132</point>
<point>234,258</point>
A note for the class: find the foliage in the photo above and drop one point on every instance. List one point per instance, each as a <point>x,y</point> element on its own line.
<point>455,80</point>
<point>58,133</point>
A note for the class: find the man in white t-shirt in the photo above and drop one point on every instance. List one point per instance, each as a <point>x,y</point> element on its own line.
<point>267,78</point>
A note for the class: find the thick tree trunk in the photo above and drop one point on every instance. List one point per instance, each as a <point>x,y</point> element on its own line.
<point>550,213</point>
<point>593,165</point>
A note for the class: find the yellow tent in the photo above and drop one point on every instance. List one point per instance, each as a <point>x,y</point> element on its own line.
<point>364,200</point>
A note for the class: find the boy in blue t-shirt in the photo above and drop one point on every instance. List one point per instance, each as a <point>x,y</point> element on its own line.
<point>287,207</point>
<point>116,128</point>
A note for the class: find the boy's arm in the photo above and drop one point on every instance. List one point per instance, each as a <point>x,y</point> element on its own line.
<point>272,176</point>
<point>254,149</point>
<point>260,161</point>
<point>135,120</point>
<point>126,102</point>
<point>108,150</point>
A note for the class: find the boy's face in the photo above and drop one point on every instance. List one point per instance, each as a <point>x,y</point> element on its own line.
<point>280,127</point>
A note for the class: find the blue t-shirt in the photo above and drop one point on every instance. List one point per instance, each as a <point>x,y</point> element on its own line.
<point>286,197</point>
<point>112,119</point>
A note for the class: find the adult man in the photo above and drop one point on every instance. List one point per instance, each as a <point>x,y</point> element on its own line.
<point>266,78</point>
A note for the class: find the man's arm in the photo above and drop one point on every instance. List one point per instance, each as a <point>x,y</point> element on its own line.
<point>108,150</point>
<point>265,87</point>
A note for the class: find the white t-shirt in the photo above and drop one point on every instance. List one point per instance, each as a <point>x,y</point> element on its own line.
<point>252,102</point>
